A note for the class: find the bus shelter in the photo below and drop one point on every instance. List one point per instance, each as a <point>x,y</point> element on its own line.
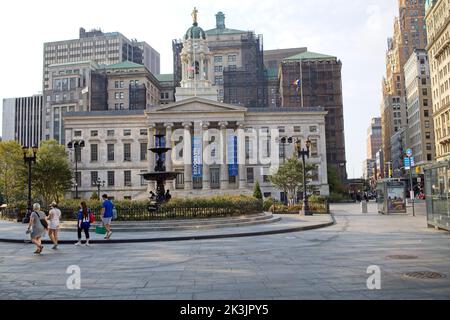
<point>437,189</point>
<point>391,196</point>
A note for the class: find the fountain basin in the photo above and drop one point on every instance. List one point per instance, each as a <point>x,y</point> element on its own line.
<point>160,176</point>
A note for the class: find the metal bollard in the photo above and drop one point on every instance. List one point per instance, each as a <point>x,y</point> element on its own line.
<point>363,207</point>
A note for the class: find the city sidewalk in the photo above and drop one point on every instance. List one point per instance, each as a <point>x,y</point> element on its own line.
<point>15,232</point>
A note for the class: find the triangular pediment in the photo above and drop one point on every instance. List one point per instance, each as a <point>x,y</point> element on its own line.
<point>194,105</point>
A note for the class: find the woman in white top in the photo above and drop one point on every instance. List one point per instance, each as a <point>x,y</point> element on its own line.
<point>53,226</point>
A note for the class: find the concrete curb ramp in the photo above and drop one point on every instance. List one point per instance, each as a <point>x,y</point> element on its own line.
<point>274,231</point>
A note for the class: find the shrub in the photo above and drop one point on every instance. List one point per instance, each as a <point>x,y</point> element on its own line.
<point>257,191</point>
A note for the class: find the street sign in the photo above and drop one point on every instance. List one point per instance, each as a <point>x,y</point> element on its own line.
<point>413,162</point>
<point>407,163</point>
<point>409,153</point>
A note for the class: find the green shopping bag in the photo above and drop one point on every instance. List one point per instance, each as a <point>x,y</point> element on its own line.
<point>100,230</point>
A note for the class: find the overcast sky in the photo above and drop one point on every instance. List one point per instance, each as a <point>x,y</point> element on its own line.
<point>353,30</point>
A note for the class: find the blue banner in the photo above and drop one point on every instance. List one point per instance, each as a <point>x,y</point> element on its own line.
<point>233,167</point>
<point>197,159</point>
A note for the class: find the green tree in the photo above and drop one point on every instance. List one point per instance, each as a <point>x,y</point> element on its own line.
<point>94,196</point>
<point>52,175</point>
<point>12,172</point>
<point>334,182</point>
<point>257,191</point>
<point>289,177</point>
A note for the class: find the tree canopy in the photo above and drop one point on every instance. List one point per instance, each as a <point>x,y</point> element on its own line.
<point>52,175</point>
<point>12,172</point>
<point>289,177</point>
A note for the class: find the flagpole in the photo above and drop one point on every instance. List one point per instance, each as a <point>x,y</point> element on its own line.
<point>301,82</point>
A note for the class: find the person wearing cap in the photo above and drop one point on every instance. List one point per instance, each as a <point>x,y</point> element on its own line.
<point>54,216</point>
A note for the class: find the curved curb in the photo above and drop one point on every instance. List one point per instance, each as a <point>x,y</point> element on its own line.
<point>193,238</point>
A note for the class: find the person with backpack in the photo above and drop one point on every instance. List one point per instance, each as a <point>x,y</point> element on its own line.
<point>37,226</point>
<point>107,215</point>
<point>53,217</point>
<point>85,217</point>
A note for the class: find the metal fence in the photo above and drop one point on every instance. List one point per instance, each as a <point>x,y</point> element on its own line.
<point>145,214</point>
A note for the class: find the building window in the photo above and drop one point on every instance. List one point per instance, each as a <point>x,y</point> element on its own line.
<point>314,148</point>
<point>116,84</point>
<point>110,151</point>
<point>427,124</point>
<point>266,179</point>
<point>218,80</point>
<point>94,133</point>
<point>143,181</point>
<point>218,69</point>
<point>143,132</point>
<point>297,129</point>
<point>121,95</point>
<point>94,152</point>
<point>427,135</point>
<point>126,152</point>
<point>94,176</point>
<point>127,132</point>
<point>429,148</point>
<point>110,133</point>
<point>127,178</point>
<point>78,154</point>
<point>232,58</point>
<point>143,151</point>
<point>217,59</point>
<point>250,175</point>
<point>424,92</point>
<point>116,95</point>
<point>77,133</point>
<point>122,84</point>
<point>111,179</point>
<point>426,113</point>
<point>313,129</point>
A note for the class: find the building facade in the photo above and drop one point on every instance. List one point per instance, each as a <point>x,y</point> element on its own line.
<point>374,138</point>
<point>216,148</point>
<point>22,120</point>
<point>398,151</point>
<point>438,28</point>
<point>103,48</point>
<point>409,34</point>
<point>420,135</point>
<point>320,85</point>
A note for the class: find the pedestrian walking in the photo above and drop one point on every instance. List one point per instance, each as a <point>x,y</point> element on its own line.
<point>107,215</point>
<point>84,223</point>
<point>37,226</point>
<point>54,217</point>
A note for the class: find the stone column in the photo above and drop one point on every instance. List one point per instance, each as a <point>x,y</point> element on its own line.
<point>206,157</point>
<point>224,179</point>
<point>151,131</point>
<point>169,163</point>
<point>241,155</point>
<point>187,156</point>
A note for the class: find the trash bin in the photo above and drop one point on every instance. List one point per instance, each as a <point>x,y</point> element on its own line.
<point>364,207</point>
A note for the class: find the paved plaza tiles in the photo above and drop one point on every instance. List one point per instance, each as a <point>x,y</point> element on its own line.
<point>327,263</point>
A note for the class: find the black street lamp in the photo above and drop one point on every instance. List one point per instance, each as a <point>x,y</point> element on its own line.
<point>28,159</point>
<point>76,145</point>
<point>98,183</point>
<point>304,153</point>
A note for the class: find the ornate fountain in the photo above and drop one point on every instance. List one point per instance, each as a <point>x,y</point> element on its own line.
<point>160,175</point>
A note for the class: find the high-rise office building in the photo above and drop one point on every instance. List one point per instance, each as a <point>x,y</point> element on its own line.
<point>409,34</point>
<point>420,136</point>
<point>374,138</point>
<point>103,48</point>
<point>320,85</point>
<point>438,28</point>
<point>22,120</point>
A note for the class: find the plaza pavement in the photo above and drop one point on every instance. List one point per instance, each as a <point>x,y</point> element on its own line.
<point>328,263</point>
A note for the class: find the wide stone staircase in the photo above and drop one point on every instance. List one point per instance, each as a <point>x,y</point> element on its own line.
<point>181,225</point>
